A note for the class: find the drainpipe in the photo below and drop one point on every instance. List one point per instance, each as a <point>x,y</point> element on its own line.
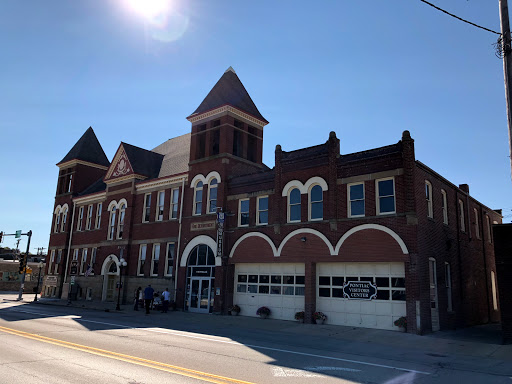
<point>69,249</point>
<point>177,251</point>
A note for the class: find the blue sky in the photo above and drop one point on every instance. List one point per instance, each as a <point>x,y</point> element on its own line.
<point>367,70</point>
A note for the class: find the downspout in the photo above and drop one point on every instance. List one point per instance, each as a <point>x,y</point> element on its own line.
<point>179,240</point>
<point>69,246</point>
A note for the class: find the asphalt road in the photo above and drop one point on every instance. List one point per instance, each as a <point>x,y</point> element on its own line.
<point>47,344</point>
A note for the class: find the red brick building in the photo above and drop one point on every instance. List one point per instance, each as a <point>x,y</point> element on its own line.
<point>364,237</point>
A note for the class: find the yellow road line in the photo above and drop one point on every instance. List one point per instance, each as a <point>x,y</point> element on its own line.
<point>129,359</point>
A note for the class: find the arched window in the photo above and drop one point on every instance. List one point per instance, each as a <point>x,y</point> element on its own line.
<point>212,196</point>
<point>198,198</point>
<point>477,225</point>
<point>316,203</point>
<point>112,223</point>
<point>461,213</point>
<point>64,219</point>
<point>294,205</point>
<point>57,220</point>
<point>445,206</point>
<point>120,225</point>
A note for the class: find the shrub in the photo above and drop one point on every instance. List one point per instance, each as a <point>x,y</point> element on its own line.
<point>401,322</point>
<point>319,316</point>
<point>234,308</point>
<point>263,311</point>
<point>299,315</point>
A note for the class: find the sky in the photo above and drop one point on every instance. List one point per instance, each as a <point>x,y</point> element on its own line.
<point>367,70</point>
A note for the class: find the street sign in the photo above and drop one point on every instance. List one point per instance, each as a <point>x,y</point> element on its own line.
<point>221,217</point>
<point>18,234</point>
<point>74,268</point>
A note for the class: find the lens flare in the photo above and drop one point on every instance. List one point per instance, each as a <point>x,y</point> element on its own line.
<point>150,9</point>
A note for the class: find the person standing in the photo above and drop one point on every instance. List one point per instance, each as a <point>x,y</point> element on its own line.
<point>148,297</point>
<point>167,298</point>
<point>136,299</point>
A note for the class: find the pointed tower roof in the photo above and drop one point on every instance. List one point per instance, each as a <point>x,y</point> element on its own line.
<point>87,148</point>
<point>229,90</point>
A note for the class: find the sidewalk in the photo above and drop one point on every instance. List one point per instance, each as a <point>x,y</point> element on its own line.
<point>477,349</point>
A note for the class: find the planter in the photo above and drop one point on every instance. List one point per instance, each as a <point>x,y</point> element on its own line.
<point>402,329</point>
<point>235,313</point>
<point>263,315</point>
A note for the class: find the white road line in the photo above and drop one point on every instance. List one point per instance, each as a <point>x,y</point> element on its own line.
<point>331,369</point>
<point>45,314</point>
<point>192,336</point>
<point>285,372</point>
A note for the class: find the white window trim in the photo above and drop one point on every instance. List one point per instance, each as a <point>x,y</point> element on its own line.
<point>430,204</point>
<point>145,247</point>
<point>462,220</point>
<point>75,254</point>
<point>51,261</point>
<point>196,189</point>
<point>240,212</point>
<point>494,291</point>
<point>209,200</point>
<point>80,218</point>
<point>445,206</point>
<point>57,221</point>
<point>57,261</point>
<point>88,221</point>
<point>310,202</point>
<point>160,204</point>
<point>111,226</point>
<point>120,218</point>
<point>288,206</point>
<point>167,258</point>
<point>377,198</point>
<point>174,190</point>
<point>349,201</point>
<point>145,208</point>
<point>477,224</point>
<point>98,215</point>
<point>258,210</point>
<point>155,246</point>
<point>83,261</point>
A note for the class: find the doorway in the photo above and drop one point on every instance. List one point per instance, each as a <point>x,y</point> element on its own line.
<point>200,280</point>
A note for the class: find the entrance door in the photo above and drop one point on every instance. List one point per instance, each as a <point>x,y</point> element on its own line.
<point>111,283</point>
<point>199,299</point>
<point>434,310</point>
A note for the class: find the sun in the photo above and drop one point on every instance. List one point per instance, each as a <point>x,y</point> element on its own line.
<point>149,8</point>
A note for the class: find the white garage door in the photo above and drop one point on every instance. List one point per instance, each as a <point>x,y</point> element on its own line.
<point>279,287</point>
<point>379,313</point>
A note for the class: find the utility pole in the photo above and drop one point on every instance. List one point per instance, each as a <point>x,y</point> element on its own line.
<point>22,285</point>
<point>507,68</point>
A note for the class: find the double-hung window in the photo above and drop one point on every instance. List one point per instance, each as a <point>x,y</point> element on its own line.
<point>445,206</point>
<point>147,208</point>
<point>355,200</point>
<point>120,224</point>
<point>80,218</point>
<point>83,261</point>
<point>89,218</point>
<point>112,223</point>
<point>57,221</point>
<point>428,196</point>
<point>64,219</point>
<point>169,260</point>
<point>316,201</point>
<point>174,203</point>
<point>477,225</point>
<point>448,284</point>
<point>155,259</point>
<point>198,198</point>
<point>160,206</point>
<point>52,260</point>
<point>59,258</point>
<point>489,235</point>
<point>98,215</point>
<point>142,260</point>
<point>243,213</point>
<point>461,216</point>
<point>75,254</point>
<point>294,205</point>
<point>212,196</point>
<point>385,196</point>
<point>262,211</point>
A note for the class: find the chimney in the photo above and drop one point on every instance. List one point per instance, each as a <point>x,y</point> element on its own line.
<point>464,187</point>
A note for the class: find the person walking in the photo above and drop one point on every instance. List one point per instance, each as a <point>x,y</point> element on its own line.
<point>148,297</point>
<point>167,298</point>
<point>136,299</point>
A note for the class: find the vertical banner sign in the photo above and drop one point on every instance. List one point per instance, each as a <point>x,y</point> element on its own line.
<point>220,232</point>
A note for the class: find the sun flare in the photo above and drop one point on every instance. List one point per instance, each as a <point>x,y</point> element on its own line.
<point>149,8</point>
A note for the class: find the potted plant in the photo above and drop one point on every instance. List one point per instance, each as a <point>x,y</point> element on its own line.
<point>299,316</point>
<point>263,312</point>
<point>319,317</point>
<point>234,310</point>
<point>401,323</point>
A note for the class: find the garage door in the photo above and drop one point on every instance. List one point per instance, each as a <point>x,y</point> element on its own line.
<point>378,313</point>
<point>279,287</point>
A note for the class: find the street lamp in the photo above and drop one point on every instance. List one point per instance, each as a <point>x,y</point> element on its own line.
<point>122,264</point>
<point>40,265</point>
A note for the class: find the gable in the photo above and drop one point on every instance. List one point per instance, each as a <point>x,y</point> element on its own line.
<point>120,166</point>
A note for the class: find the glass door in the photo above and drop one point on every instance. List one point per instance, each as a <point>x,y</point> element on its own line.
<point>199,298</point>
<point>111,281</point>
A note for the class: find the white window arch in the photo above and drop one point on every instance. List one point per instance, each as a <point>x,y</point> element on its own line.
<point>57,213</point>
<point>198,198</point>
<point>428,196</point>
<point>212,196</point>
<point>316,202</point>
<point>112,209</point>
<point>64,218</point>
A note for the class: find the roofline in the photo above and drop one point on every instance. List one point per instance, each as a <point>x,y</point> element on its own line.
<point>89,197</point>
<point>82,162</point>
<point>165,180</point>
<point>229,108</point>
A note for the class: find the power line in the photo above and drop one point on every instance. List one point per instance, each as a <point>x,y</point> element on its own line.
<point>459,18</point>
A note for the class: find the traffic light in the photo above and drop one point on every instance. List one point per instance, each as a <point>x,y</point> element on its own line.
<point>23,263</point>
<point>1,235</point>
